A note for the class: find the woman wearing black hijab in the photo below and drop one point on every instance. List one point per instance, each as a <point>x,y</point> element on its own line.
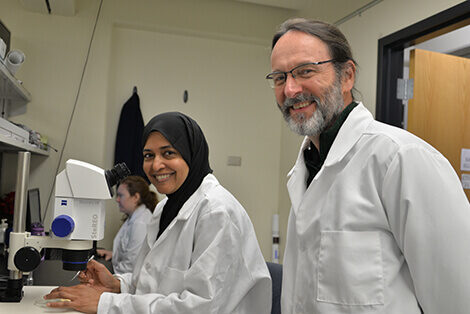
<point>201,254</point>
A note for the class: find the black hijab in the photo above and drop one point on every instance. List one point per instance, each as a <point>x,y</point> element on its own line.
<point>185,135</point>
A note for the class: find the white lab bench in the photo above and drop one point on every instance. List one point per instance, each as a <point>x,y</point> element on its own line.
<point>27,306</point>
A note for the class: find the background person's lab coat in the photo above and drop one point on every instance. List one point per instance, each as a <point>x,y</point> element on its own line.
<point>383,225</point>
<point>129,239</point>
<point>206,261</point>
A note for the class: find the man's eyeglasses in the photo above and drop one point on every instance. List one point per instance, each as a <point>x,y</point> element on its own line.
<point>303,72</point>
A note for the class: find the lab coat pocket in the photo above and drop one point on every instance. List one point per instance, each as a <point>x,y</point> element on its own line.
<point>350,268</point>
<point>171,281</point>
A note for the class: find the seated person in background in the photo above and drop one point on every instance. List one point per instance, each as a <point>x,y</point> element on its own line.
<point>201,254</point>
<point>137,202</point>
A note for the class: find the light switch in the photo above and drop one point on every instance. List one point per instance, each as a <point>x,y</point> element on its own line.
<point>234,161</point>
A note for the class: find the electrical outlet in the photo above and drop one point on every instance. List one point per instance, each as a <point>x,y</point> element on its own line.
<point>234,161</point>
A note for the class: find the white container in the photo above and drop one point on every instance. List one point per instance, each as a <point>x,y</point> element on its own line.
<point>14,60</point>
<point>275,232</point>
<point>3,49</point>
<point>3,230</point>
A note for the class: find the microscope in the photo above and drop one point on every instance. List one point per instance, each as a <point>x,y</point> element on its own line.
<point>81,190</point>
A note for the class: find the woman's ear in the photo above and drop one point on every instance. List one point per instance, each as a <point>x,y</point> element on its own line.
<point>137,198</point>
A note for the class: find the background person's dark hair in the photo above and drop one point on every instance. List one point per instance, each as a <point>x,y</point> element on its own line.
<point>338,46</point>
<point>137,184</point>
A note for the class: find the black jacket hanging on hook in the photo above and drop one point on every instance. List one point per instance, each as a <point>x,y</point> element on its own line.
<point>128,147</point>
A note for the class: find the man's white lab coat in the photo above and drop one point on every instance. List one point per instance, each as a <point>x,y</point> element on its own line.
<point>383,226</point>
<point>207,261</point>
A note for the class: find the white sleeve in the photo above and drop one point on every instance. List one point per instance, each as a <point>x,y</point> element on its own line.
<point>218,279</point>
<point>126,282</point>
<point>429,215</point>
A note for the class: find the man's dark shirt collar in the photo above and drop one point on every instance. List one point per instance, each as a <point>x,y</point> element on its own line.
<point>314,159</point>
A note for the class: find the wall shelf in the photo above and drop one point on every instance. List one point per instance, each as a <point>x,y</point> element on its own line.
<point>12,93</point>
<point>13,100</point>
<point>8,144</point>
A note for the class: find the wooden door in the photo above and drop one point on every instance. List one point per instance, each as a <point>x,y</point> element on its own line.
<point>439,111</point>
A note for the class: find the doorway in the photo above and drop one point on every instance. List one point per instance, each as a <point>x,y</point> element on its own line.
<point>391,49</point>
<point>430,114</point>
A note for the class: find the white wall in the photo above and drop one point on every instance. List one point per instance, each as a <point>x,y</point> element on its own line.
<point>234,108</point>
<point>56,49</point>
<point>230,106</point>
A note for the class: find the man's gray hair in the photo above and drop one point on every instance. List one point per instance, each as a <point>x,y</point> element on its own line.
<point>337,44</point>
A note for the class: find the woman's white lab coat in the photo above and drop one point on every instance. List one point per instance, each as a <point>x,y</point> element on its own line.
<point>207,261</point>
<point>383,225</point>
<point>129,239</point>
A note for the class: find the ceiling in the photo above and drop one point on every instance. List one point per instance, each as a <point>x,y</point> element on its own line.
<point>59,7</point>
<point>286,4</point>
<point>329,11</point>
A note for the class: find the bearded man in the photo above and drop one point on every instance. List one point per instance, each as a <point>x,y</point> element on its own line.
<point>379,221</point>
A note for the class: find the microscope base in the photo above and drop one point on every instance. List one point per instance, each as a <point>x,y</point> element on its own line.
<point>13,291</point>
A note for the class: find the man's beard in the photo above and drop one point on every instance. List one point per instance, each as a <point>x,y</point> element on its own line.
<point>325,113</point>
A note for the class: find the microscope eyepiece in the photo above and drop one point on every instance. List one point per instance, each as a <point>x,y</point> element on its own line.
<point>117,173</point>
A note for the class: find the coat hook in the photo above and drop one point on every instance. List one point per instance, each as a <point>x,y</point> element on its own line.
<point>135,89</point>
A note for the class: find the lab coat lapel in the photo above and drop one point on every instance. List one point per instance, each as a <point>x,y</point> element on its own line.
<point>296,185</point>
<point>154,225</point>
<point>349,133</point>
<point>185,212</point>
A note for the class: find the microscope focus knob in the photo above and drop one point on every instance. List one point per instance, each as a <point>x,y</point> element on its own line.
<point>63,225</point>
<point>27,259</point>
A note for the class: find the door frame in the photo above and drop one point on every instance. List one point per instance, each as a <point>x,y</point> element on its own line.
<point>389,109</point>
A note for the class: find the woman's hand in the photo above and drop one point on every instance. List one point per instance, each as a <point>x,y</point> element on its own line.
<point>98,276</point>
<point>107,255</point>
<point>83,298</point>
